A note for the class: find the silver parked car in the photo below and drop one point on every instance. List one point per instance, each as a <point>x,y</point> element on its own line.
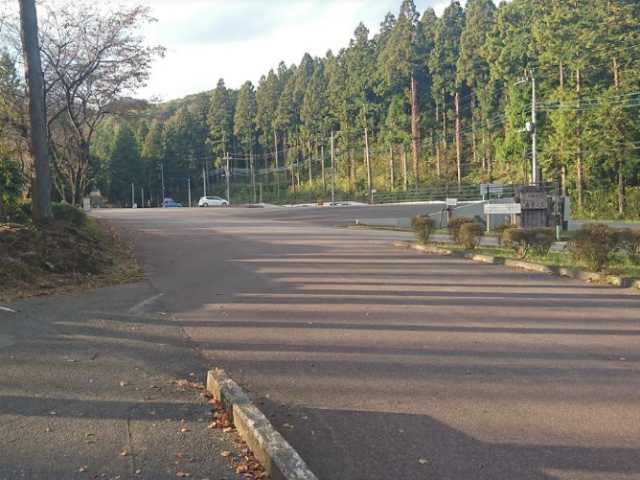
<point>210,201</point>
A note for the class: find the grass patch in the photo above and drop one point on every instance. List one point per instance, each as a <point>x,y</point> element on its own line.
<point>619,266</point>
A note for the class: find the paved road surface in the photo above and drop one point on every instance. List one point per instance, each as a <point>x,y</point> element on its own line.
<point>382,363</point>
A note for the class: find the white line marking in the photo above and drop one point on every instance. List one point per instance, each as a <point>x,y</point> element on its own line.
<point>141,305</point>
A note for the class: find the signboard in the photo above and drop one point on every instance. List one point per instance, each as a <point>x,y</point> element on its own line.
<point>534,200</point>
<point>501,208</point>
<point>491,189</point>
<point>451,202</point>
<point>86,203</point>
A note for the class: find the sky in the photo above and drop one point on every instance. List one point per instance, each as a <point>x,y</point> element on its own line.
<point>241,40</point>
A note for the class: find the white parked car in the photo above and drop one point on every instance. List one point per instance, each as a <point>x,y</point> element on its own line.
<point>210,201</point>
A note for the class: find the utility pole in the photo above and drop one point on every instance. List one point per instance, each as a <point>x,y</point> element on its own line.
<point>141,197</point>
<point>133,196</point>
<point>204,182</point>
<point>227,178</point>
<point>162,176</point>
<point>531,126</point>
<point>366,153</point>
<point>333,176</point>
<point>189,189</point>
<point>533,129</point>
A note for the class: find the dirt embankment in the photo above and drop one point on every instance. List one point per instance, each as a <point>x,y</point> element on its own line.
<point>67,257</point>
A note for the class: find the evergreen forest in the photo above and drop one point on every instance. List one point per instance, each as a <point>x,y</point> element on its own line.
<point>428,102</point>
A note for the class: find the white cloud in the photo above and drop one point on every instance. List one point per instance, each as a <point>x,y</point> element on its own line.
<point>242,40</point>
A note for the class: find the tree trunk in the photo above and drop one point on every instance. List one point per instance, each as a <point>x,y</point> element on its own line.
<point>444,137</point>
<point>310,153</point>
<point>368,160</point>
<point>266,167</point>
<point>41,211</point>
<point>458,139</point>
<point>415,131</point>
<point>438,156</point>
<point>621,191</point>
<point>580,160</point>
<point>324,178</point>
<point>3,213</point>
<point>252,165</point>
<point>474,133</point>
<point>405,180</point>
<point>392,171</point>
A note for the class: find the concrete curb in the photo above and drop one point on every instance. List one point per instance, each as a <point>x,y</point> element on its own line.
<point>280,460</point>
<point>613,280</point>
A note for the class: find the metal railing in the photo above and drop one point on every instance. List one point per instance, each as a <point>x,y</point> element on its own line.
<point>466,193</point>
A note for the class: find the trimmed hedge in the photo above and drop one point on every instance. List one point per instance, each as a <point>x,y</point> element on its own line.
<point>454,225</point>
<point>423,227</point>
<point>630,243</point>
<point>523,240</point>
<point>470,234</point>
<point>501,229</point>
<point>594,244</point>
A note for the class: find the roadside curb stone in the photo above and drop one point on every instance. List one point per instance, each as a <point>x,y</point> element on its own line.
<point>613,280</point>
<point>280,460</point>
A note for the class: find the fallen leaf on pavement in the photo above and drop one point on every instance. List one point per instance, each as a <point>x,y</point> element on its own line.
<point>226,453</point>
<point>423,461</point>
<point>82,470</point>
<point>287,425</point>
<point>124,384</point>
<point>183,475</point>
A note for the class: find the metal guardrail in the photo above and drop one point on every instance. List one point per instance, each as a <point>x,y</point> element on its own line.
<point>466,193</point>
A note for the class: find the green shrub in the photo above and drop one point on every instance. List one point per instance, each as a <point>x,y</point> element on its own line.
<point>18,211</point>
<point>422,227</point>
<point>454,225</point>
<point>501,229</point>
<point>594,245</point>
<point>629,241</point>
<point>520,240</point>
<point>68,213</point>
<point>470,235</point>
<point>543,239</point>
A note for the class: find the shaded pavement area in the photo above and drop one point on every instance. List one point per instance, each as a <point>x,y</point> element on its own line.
<point>381,363</point>
<point>104,385</point>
